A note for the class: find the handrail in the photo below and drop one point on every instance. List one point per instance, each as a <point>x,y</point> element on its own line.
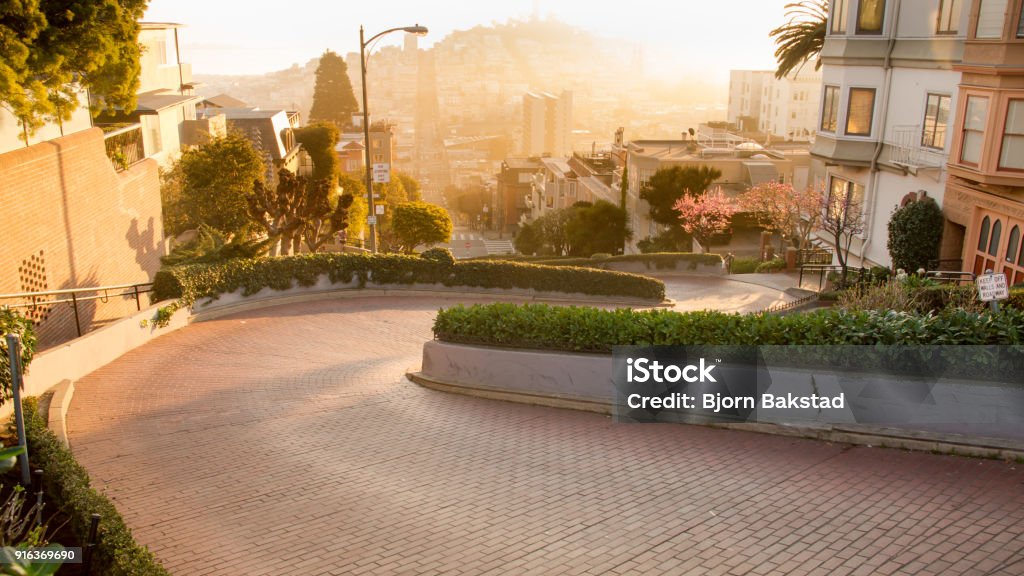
<point>133,290</point>
<point>70,290</point>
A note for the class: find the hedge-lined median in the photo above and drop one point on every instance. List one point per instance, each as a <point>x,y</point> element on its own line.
<point>583,329</point>
<point>653,261</point>
<point>67,485</point>
<point>189,283</point>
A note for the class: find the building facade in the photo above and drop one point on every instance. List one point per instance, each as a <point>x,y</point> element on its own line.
<point>984,195</point>
<point>547,124</point>
<point>889,86</point>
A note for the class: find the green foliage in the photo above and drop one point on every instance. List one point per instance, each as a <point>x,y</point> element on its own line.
<point>598,227</point>
<point>744,265</point>
<point>411,185</point>
<point>915,232</point>
<point>50,51</point>
<point>440,255</point>
<point>211,246</point>
<point>586,329</point>
<point>68,486</point>
<point>773,265</point>
<point>318,140</point>
<point>802,37</point>
<point>654,261</point>
<point>416,223</point>
<point>668,185</point>
<point>333,99</point>
<point>13,323</point>
<point>216,179</point>
<point>529,240</point>
<point>189,283</point>
<point>675,239</point>
<point>165,313</point>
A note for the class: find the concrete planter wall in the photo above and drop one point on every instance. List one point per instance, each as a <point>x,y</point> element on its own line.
<point>681,267</point>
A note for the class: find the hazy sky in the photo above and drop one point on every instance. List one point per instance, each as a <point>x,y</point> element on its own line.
<point>683,37</point>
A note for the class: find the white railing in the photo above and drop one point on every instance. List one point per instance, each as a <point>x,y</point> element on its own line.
<point>905,148</point>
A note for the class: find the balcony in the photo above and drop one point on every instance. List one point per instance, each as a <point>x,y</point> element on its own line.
<point>124,145</point>
<point>904,149</point>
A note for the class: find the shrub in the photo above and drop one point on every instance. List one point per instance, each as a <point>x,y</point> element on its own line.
<point>250,276</point>
<point>67,485</point>
<point>13,323</point>
<point>600,256</point>
<point>744,265</point>
<point>584,329</point>
<point>773,265</point>
<point>439,255</point>
<point>656,261</point>
<point>915,231</point>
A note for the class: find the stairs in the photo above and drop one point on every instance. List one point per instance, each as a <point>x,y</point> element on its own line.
<point>499,247</point>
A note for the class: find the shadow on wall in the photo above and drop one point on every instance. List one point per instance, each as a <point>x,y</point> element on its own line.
<point>146,245</point>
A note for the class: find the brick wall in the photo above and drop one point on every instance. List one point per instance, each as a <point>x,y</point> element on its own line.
<point>68,220</point>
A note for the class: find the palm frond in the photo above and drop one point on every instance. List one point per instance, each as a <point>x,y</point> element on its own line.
<point>802,37</point>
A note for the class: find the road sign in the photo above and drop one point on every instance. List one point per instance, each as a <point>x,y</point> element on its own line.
<point>379,209</point>
<point>382,173</point>
<point>992,287</point>
<point>371,220</point>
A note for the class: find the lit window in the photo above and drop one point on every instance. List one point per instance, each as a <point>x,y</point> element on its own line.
<point>949,16</point>
<point>936,116</point>
<point>860,111</point>
<point>975,116</point>
<point>839,17</point>
<point>870,16</point>
<point>990,19</point>
<point>1012,153</point>
<point>830,109</point>
<point>843,196</point>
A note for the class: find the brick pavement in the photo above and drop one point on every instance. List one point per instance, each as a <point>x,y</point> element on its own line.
<point>285,441</point>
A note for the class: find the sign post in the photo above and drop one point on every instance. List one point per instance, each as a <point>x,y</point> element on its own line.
<point>992,288</point>
<point>381,173</point>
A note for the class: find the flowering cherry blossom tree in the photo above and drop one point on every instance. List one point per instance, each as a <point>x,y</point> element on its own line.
<point>705,215</point>
<point>792,213</point>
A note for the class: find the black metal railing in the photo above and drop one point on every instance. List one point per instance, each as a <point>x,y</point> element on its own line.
<point>817,256</point>
<point>74,297</point>
<point>852,272</point>
<point>124,146</point>
<point>951,277</point>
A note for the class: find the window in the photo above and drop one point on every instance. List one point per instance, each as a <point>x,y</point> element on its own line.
<point>975,116</point>
<point>1020,23</point>
<point>990,19</point>
<point>839,17</point>
<point>844,195</point>
<point>949,17</point>
<point>993,244</point>
<point>870,16</point>
<point>986,225</point>
<point>936,116</point>
<point>1012,152</point>
<point>830,109</point>
<point>860,111</point>
<point>1013,245</point>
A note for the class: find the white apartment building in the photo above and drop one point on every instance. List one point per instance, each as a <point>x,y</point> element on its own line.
<point>547,124</point>
<point>783,109</point>
<point>888,89</point>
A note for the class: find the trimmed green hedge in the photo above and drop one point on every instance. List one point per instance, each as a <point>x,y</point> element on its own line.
<point>67,486</point>
<point>190,283</point>
<point>655,261</point>
<point>584,329</point>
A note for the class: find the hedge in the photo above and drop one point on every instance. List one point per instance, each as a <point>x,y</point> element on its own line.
<point>67,486</point>
<point>583,329</point>
<point>190,283</point>
<point>654,260</point>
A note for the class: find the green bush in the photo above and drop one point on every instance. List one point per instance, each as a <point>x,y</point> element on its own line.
<point>13,323</point>
<point>773,265</point>
<point>440,255</point>
<point>584,329</point>
<point>654,260</point>
<point>67,485</point>
<point>744,265</point>
<point>190,283</point>
<point>915,232</point>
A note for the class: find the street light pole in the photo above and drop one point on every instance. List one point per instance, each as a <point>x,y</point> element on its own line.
<point>419,31</point>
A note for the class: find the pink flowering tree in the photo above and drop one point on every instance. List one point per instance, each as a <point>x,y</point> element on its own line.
<point>793,214</point>
<point>705,215</point>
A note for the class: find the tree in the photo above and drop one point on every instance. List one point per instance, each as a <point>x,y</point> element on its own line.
<point>216,180</point>
<point>597,228</point>
<point>706,215</point>
<point>50,51</point>
<point>915,233</point>
<point>802,37</point>
<point>411,186</point>
<point>416,223</point>
<point>842,219</point>
<point>318,140</point>
<point>668,185</point>
<point>175,219</point>
<point>529,240</point>
<point>359,209</point>
<point>553,228</point>
<point>793,214</point>
<point>297,209</point>
<point>333,99</point>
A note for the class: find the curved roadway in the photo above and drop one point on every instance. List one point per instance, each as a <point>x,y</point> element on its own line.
<point>286,441</point>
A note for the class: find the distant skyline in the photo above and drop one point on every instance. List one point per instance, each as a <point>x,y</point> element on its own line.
<point>681,38</point>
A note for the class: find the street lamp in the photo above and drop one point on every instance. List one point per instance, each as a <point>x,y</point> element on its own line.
<point>419,31</point>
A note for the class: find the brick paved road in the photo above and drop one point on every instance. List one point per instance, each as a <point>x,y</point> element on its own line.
<point>286,442</point>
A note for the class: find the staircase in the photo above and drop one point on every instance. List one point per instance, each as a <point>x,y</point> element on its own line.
<point>499,247</point>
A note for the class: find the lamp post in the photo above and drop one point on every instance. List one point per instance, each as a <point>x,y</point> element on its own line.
<point>419,31</point>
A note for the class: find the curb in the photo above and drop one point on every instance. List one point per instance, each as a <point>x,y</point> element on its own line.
<point>869,436</point>
<point>58,413</point>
